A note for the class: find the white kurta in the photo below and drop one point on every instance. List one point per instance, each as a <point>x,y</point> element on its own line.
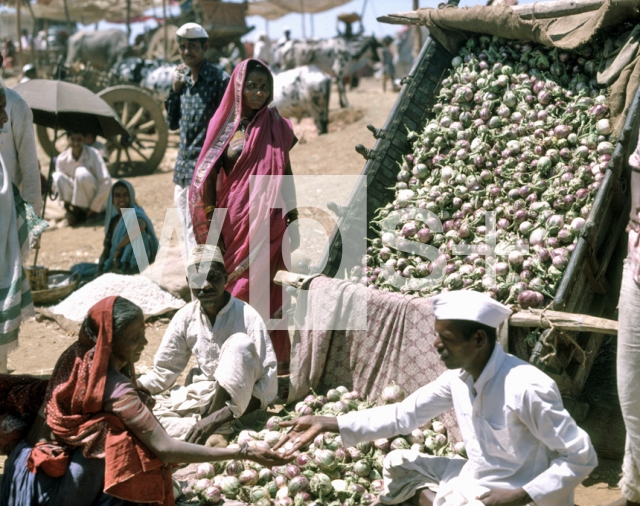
<point>85,182</point>
<point>18,148</point>
<point>514,426</point>
<point>190,331</point>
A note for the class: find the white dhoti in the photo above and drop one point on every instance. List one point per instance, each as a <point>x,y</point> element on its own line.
<point>181,202</point>
<point>628,365</point>
<point>408,471</point>
<point>79,191</point>
<point>238,370</point>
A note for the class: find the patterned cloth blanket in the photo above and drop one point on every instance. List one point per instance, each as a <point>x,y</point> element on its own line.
<point>395,343</point>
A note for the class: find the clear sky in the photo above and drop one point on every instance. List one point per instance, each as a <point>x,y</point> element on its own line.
<point>324,24</point>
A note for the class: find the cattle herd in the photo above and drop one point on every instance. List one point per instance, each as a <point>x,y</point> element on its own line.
<point>303,68</point>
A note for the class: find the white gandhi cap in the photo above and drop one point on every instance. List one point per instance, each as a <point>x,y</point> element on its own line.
<point>470,306</point>
<point>192,31</point>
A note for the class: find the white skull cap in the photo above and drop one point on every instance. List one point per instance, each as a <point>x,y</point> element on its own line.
<point>203,253</point>
<point>192,31</point>
<point>470,306</point>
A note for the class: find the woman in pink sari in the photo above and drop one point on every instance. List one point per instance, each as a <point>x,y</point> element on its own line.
<point>245,140</point>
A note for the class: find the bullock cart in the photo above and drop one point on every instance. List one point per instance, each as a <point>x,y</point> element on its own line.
<point>224,21</point>
<point>558,339</point>
<point>140,111</point>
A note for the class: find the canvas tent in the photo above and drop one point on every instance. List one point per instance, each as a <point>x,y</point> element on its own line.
<point>275,9</point>
<point>89,11</point>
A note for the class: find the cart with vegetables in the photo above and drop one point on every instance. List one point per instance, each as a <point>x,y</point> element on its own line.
<point>502,168</point>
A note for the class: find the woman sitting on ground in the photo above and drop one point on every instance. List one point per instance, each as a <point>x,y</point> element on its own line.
<point>119,248</point>
<point>95,441</point>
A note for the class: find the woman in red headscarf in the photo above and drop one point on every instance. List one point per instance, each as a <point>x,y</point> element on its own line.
<point>95,441</point>
<point>247,139</point>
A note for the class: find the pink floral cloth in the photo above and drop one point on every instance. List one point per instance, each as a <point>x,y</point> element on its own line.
<point>397,345</point>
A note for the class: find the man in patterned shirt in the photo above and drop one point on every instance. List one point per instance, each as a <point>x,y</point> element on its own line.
<point>198,88</point>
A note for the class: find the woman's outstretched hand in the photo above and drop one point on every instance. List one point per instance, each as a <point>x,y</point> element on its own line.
<point>267,457</point>
<point>304,430</point>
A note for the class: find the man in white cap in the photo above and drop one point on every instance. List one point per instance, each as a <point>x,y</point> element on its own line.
<point>523,446</point>
<point>236,372</point>
<point>198,88</point>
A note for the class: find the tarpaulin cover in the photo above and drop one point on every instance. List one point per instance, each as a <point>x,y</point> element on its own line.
<point>275,9</point>
<point>451,27</point>
<point>90,11</point>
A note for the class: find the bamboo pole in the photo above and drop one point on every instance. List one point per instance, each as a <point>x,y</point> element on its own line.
<point>165,28</point>
<point>67,16</point>
<point>563,321</point>
<point>128,21</point>
<point>417,34</point>
<point>304,32</point>
<point>34,31</point>
<point>19,30</point>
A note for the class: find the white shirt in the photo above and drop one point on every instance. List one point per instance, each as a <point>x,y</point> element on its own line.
<point>18,148</point>
<point>515,429</point>
<point>190,331</point>
<point>262,51</point>
<point>91,160</point>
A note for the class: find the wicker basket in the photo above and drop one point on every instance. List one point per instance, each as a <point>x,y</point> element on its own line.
<point>51,295</point>
<point>37,276</point>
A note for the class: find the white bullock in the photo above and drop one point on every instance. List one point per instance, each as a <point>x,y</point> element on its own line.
<point>160,80</point>
<point>337,56</point>
<point>303,91</point>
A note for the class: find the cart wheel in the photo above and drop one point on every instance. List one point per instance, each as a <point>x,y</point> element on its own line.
<point>156,46</point>
<point>45,138</point>
<point>142,150</point>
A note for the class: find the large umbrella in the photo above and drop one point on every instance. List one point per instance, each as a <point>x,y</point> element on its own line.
<point>67,106</point>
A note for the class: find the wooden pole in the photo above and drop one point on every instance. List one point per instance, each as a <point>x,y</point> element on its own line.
<point>563,321</point>
<point>165,28</point>
<point>304,32</point>
<point>34,31</point>
<point>417,34</point>
<point>129,21</point>
<point>67,15</point>
<point>19,30</point>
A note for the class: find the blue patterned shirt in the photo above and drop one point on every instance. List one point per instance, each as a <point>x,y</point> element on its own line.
<point>190,110</point>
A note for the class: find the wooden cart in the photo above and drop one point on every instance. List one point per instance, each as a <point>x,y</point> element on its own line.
<point>591,282</point>
<point>140,111</point>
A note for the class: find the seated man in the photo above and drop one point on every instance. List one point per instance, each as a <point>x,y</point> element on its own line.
<point>118,254</point>
<point>523,446</point>
<point>236,371</point>
<point>81,179</point>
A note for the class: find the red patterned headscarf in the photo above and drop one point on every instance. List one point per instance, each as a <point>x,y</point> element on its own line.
<point>74,414</point>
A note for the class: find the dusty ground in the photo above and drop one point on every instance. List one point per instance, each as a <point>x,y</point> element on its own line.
<point>331,156</point>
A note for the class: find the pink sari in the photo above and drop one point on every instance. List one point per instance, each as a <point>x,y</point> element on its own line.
<point>268,139</point>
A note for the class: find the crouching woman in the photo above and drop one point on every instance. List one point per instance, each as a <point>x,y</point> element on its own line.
<point>95,441</point>
<point>122,249</point>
